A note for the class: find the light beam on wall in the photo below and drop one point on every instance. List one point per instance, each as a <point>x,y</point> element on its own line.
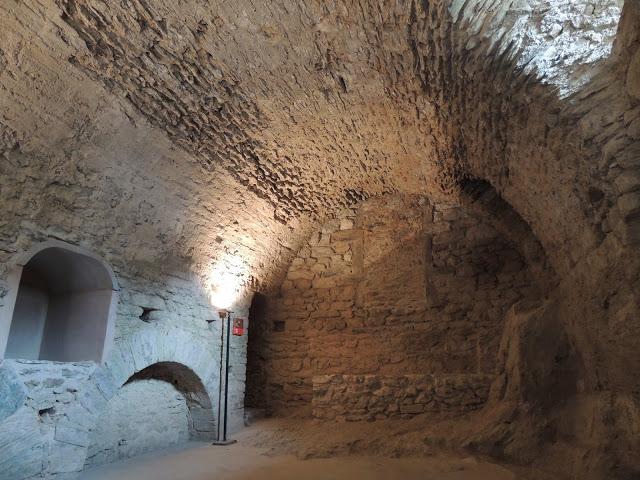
<point>226,281</point>
<point>556,39</point>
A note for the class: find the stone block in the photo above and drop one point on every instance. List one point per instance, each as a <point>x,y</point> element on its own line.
<point>341,247</point>
<point>412,409</point>
<point>629,203</point>
<point>633,76</point>
<point>325,282</point>
<point>73,435</point>
<point>105,382</point>
<point>12,392</point>
<point>627,181</point>
<point>66,458</point>
<point>321,252</point>
<point>92,399</point>
<point>301,274</point>
<point>22,445</point>
<point>346,235</point>
<point>346,224</point>
<point>76,416</point>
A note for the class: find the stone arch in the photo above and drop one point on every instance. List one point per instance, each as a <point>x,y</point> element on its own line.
<point>152,345</point>
<point>157,417</point>
<point>480,196</point>
<point>73,285</point>
<point>21,259</point>
<point>201,421</point>
<point>147,347</point>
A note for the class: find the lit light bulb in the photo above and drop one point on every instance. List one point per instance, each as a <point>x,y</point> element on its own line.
<point>226,281</point>
<point>222,296</point>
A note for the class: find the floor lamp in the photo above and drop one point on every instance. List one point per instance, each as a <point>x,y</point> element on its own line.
<point>224,315</point>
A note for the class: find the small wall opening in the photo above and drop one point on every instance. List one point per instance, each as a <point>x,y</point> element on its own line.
<point>62,308</point>
<point>147,314</point>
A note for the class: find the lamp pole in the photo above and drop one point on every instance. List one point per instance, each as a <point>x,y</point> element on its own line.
<point>224,315</point>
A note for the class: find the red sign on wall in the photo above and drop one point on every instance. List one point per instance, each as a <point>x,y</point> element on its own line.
<point>238,327</point>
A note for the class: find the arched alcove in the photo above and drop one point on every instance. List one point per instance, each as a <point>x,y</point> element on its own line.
<point>201,423</point>
<point>159,406</point>
<point>480,196</point>
<point>61,306</point>
<point>255,394</point>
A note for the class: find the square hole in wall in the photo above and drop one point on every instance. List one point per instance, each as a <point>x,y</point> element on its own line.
<point>278,326</point>
<point>148,314</point>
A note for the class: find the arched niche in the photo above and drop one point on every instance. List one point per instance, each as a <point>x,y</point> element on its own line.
<point>481,197</point>
<point>185,380</point>
<point>60,307</point>
<point>255,380</point>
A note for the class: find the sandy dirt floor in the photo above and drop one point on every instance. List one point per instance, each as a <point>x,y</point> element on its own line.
<point>240,462</point>
<point>297,450</point>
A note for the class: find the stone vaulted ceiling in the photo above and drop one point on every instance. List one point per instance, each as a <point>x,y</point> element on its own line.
<point>220,131</point>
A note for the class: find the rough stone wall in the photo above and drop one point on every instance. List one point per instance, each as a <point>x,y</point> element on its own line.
<point>399,286</point>
<point>376,397</point>
<point>144,415</point>
<point>185,136</point>
<point>147,77</point>
<point>113,193</point>
<point>599,278</point>
<point>74,396</point>
<point>559,41</point>
<point>51,410</point>
<point>47,427</point>
<point>576,161</point>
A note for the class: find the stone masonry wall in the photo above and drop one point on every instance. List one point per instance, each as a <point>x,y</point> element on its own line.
<point>400,286</point>
<point>138,130</point>
<point>377,397</point>
<point>50,412</point>
<point>133,214</point>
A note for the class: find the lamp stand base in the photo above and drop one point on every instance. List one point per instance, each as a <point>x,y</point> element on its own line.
<point>224,442</point>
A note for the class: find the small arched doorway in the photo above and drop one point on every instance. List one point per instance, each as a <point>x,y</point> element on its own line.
<point>255,385</point>
<point>61,308</point>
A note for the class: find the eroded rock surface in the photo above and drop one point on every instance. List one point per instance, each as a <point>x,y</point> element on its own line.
<point>207,150</point>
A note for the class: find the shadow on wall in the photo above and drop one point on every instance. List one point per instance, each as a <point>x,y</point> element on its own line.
<point>162,405</point>
<point>258,329</point>
<point>402,286</point>
<point>481,197</point>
